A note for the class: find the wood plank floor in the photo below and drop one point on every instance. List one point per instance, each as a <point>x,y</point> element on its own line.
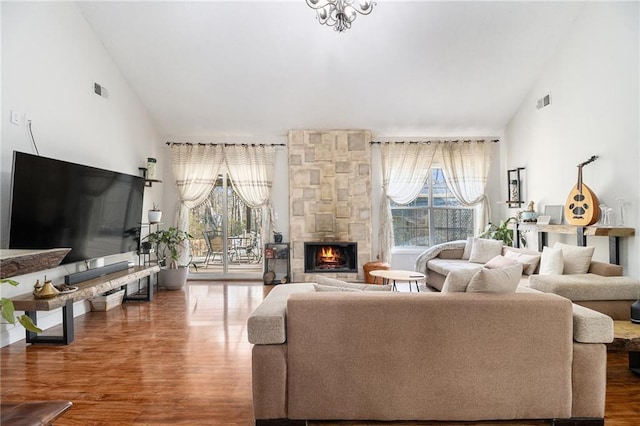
<point>182,359</point>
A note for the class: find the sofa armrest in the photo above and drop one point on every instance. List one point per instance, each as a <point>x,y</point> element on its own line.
<point>605,269</point>
<point>266,325</point>
<point>590,326</point>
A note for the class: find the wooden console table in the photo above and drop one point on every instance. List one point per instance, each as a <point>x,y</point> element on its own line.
<point>581,232</point>
<point>86,290</point>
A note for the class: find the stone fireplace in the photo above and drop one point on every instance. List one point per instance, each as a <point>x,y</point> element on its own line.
<point>330,257</point>
<point>330,193</point>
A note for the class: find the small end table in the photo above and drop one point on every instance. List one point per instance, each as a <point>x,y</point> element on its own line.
<point>626,338</point>
<point>399,275</point>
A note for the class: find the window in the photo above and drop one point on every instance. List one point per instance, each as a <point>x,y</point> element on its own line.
<point>435,217</point>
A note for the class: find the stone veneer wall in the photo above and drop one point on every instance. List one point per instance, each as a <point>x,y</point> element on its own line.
<point>330,194</point>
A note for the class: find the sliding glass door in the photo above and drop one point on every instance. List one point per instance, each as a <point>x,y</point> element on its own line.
<point>226,235</point>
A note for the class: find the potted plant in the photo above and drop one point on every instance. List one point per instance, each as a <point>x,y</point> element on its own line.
<point>155,214</point>
<point>168,246</point>
<point>502,232</point>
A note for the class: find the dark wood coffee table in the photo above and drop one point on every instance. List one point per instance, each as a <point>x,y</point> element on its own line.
<point>626,338</point>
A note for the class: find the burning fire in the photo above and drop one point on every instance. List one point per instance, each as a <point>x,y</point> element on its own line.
<point>329,255</point>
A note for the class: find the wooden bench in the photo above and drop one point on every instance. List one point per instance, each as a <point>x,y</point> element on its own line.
<point>86,290</point>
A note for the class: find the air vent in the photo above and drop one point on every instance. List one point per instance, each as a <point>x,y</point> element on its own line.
<point>544,101</point>
<point>100,90</point>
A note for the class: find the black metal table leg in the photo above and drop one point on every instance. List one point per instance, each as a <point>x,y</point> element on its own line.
<point>614,250</point>
<point>582,239</point>
<point>634,362</point>
<point>147,297</point>
<point>67,327</point>
<point>542,240</point>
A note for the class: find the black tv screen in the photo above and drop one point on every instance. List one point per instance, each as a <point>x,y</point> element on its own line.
<point>57,204</point>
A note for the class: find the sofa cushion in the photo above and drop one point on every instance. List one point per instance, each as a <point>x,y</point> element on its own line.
<point>266,325</point>
<point>457,281</point>
<point>444,266</point>
<point>319,287</point>
<point>500,261</point>
<point>576,259</point>
<point>332,282</point>
<point>551,262</point>
<point>529,261</point>
<point>583,287</point>
<point>501,280</point>
<point>466,254</point>
<point>484,249</point>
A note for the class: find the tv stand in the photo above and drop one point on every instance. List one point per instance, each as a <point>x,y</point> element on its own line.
<point>86,290</point>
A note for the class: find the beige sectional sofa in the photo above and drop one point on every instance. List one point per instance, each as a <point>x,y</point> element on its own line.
<point>602,288</point>
<point>426,356</point>
<point>437,262</point>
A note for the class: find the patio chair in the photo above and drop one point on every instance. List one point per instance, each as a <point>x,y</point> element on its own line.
<point>214,247</point>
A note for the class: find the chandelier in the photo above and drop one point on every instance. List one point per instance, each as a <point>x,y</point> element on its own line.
<point>340,13</point>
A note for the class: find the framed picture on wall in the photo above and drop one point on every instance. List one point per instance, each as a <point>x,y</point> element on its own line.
<point>554,213</point>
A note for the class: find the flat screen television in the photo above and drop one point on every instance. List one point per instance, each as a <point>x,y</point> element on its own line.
<point>58,204</point>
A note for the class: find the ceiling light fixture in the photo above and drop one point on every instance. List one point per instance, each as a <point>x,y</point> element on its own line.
<point>340,13</point>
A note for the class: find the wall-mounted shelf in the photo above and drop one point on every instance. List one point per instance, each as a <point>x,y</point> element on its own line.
<point>147,182</point>
<point>21,262</point>
<point>514,188</point>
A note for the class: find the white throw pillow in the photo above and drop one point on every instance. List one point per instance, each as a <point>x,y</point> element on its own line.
<point>467,249</point>
<point>483,250</point>
<point>529,261</point>
<point>500,261</point>
<point>501,280</point>
<point>576,259</point>
<point>457,281</point>
<point>551,261</point>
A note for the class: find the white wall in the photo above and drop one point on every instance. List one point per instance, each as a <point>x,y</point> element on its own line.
<point>593,81</point>
<point>50,59</point>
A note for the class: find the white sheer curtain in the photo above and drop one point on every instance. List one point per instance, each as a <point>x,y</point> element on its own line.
<point>250,169</point>
<point>465,166</point>
<point>195,169</point>
<point>405,167</point>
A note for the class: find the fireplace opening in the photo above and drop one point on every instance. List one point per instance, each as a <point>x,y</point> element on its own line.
<point>330,257</point>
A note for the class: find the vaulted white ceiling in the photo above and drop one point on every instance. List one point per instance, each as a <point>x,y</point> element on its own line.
<point>255,69</point>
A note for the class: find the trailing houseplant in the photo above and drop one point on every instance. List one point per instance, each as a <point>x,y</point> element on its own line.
<point>168,245</point>
<point>8,311</point>
<point>502,232</point>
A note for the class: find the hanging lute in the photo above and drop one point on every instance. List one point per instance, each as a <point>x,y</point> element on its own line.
<point>582,207</point>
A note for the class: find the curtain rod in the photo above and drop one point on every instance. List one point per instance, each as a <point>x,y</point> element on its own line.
<point>438,141</point>
<point>225,144</point>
